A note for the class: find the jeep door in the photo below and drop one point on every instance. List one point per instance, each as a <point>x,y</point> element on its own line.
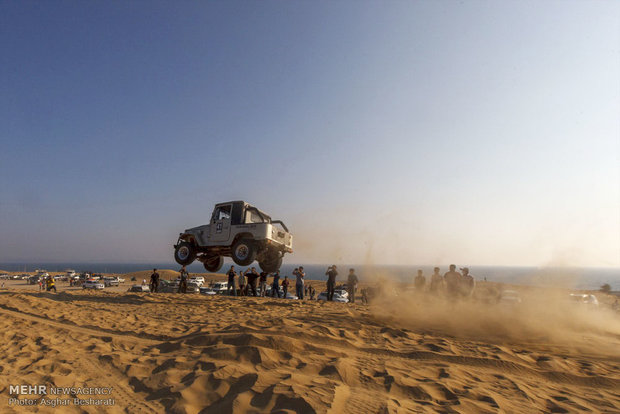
<point>219,230</point>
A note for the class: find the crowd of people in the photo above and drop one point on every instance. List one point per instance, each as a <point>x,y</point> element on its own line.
<point>453,283</point>
<point>252,283</point>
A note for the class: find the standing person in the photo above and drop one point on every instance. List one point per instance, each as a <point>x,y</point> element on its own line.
<point>241,283</point>
<point>468,283</point>
<point>331,273</point>
<point>285,285</point>
<point>231,282</point>
<point>419,281</point>
<point>299,282</point>
<point>275,286</point>
<point>40,284</point>
<point>352,285</point>
<point>312,292</point>
<point>252,275</point>
<point>453,281</point>
<point>154,281</point>
<point>184,275</point>
<point>436,281</point>
<point>263,283</point>
<point>50,283</point>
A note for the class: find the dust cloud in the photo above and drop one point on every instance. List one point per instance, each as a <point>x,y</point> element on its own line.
<point>545,315</point>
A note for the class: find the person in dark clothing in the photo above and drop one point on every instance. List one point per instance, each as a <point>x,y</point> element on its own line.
<point>352,285</point>
<point>331,273</point>
<point>154,281</point>
<point>184,275</point>
<point>252,276</point>
<point>231,282</point>
<point>275,286</point>
<point>285,285</point>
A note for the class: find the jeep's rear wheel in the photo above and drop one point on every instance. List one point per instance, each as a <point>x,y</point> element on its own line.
<point>271,263</point>
<point>184,253</point>
<point>213,263</point>
<point>243,252</point>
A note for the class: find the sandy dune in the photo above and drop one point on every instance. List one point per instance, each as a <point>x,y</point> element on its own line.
<point>190,354</point>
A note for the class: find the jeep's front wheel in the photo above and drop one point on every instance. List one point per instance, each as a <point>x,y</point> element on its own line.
<point>243,252</point>
<point>184,253</point>
<point>213,263</point>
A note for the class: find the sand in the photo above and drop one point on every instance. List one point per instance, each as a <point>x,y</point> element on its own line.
<point>407,353</point>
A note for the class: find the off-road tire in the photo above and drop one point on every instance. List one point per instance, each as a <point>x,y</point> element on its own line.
<point>244,252</point>
<point>213,263</point>
<point>185,253</point>
<point>271,262</point>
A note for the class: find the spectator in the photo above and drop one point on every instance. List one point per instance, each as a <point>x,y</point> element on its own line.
<point>183,275</point>
<point>436,281</point>
<point>452,279</point>
<point>263,283</point>
<point>242,284</point>
<point>468,284</point>
<point>154,281</point>
<point>420,281</point>
<point>299,282</point>
<point>285,284</point>
<point>331,273</point>
<point>252,276</point>
<point>275,286</point>
<point>352,285</point>
<point>231,282</point>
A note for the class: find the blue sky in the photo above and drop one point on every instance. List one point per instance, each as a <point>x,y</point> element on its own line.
<point>384,132</point>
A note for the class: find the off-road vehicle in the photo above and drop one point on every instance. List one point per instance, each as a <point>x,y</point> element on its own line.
<point>237,230</point>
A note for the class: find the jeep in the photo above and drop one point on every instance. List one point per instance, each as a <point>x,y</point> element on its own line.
<point>237,230</point>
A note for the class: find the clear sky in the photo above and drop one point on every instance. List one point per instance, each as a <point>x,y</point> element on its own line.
<point>474,132</point>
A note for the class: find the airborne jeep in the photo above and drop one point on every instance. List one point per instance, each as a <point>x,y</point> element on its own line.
<point>237,230</point>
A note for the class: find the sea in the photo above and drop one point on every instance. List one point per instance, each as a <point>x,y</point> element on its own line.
<point>586,278</point>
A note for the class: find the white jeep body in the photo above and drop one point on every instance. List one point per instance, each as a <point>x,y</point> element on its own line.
<point>238,230</point>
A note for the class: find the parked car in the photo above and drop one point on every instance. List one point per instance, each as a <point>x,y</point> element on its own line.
<point>93,284</point>
<point>199,280</point>
<point>337,297</point>
<point>110,281</point>
<point>192,287</point>
<point>585,299</point>
<point>220,287</point>
<point>34,280</point>
<point>4,276</point>
<point>204,290</point>
<point>139,288</point>
<point>510,297</point>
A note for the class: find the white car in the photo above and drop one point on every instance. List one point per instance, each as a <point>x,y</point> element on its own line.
<point>586,299</point>
<point>110,281</point>
<point>93,284</point>
<point>509,297</point>
<point>220,287</point>
<point>207,291</point>
<point>199,280</point>
<point>139,288</point>
<point>337,297</point>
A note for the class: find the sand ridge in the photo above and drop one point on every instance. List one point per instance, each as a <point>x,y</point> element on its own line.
<point>190,354</point>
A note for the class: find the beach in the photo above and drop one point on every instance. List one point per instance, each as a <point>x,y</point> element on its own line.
<point>115,351</point>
